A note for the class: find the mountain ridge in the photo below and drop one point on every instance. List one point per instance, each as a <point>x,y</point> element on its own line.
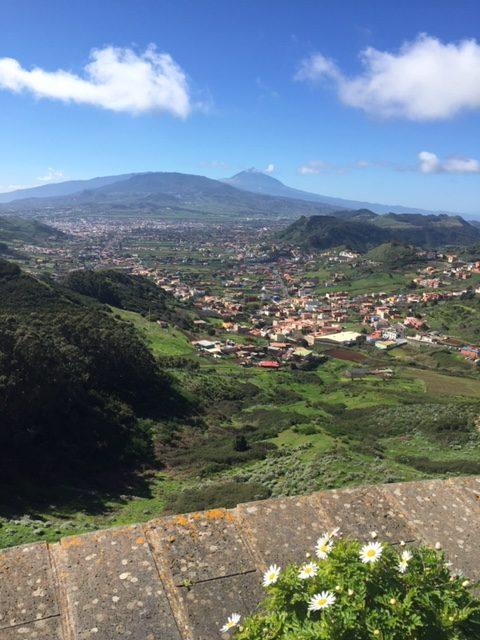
<point>163,191</point>
<point>259,182</point>
<point>251,181</point>
<point>362,230</point>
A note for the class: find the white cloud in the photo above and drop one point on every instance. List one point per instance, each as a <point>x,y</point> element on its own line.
<point>431,163</point>
<point>52,175</point>
<point>116,79</point>
<point>5,188</point>
<point>313,167</point>
<point>425,80</point>
<point>269,169</point>
<point>214,164</point>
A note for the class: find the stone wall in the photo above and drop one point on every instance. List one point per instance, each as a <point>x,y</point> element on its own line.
<point>180,577</point>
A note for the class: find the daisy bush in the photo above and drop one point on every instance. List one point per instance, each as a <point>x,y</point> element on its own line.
<point>353,591</point>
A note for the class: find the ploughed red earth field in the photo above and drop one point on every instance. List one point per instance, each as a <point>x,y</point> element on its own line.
<point>346,354</point>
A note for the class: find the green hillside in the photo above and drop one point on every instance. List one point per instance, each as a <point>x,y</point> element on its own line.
<point>27,230</point>
<point>362,230</point>
<point>394,255</point>
<point>131,293</point>
<point>74,383</point>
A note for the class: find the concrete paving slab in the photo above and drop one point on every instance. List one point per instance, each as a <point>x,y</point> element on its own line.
<point>469,487</point>
<point>27,590</point>
<point>283,530</point>
<point>201,546</point>
<point>360,511</point>
<point>442,515</point>
<point>110,583</point>
<point>49,629</point>
<point>208,604</point>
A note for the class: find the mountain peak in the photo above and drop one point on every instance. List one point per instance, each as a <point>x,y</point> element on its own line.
<point>257,181</point>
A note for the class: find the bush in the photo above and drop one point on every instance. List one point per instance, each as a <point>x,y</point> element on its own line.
<point>225,494</point>
<point>359,593</point>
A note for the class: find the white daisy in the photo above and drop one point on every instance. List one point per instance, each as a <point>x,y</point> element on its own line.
<point>407,555</point>
<point>371,552</point>
<point>402,566</point>
<point>231,622</point>
<point>308,571</point>
<point>271,575</point>
<point>321,601</point>
<point>324,546</point>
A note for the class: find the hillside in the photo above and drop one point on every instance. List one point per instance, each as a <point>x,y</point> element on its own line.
<point>131,293</point>
<point>363,229</point>
<point>394,255</point>
<point>326,232</point>
<point>73,382</point>
<point>60,188</point>
<point>259,182</point>
<point>173,192</point>
<point>27,230</point>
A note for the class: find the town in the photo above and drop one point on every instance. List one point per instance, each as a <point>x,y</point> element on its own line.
<point>270,306</point>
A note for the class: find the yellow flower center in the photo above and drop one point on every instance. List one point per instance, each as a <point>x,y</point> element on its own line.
<point>371,553</point>
<point>322,602</point>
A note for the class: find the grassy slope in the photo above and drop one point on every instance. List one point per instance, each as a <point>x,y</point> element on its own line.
<point>460,318</point>
<point>162,341</point>
<point>327,455</point>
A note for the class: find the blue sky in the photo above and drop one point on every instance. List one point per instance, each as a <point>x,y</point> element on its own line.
<point>279,85</point>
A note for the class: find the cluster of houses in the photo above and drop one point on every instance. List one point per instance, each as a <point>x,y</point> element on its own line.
<point>286,313</point>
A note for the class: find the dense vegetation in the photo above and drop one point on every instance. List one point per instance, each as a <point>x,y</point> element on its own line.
<point>129,292</point>
<point>244,433</point>
<point>27,230</point>
<point>363,229</point>
<point>354,591</point>
<point>73,382</point>
<point>394,255</point>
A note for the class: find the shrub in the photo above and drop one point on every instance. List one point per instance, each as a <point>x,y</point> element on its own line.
<point>224,494</point>
<point>357,593</point>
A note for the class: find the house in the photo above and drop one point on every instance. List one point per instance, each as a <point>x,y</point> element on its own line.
<point>394,332</point>
<point>386,345</point>
<point>345,338</point>
<point>268,364</point>
<point>205,345</point>
<point>470,352</point>
<point>373,337</point>
<point>414,323</point>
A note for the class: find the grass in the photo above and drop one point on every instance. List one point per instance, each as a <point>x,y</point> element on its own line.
<point>439,384</point>
<point>460,318</point>
<point>167,341</point>
<point>75,513</point>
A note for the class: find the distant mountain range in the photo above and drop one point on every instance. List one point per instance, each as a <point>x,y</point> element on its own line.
<point>363,229</point>
<point>258,182</point>
<point>248,193</point>
<point>157,193</point>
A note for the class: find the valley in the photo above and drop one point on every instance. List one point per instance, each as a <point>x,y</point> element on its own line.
<point>283,367</point>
